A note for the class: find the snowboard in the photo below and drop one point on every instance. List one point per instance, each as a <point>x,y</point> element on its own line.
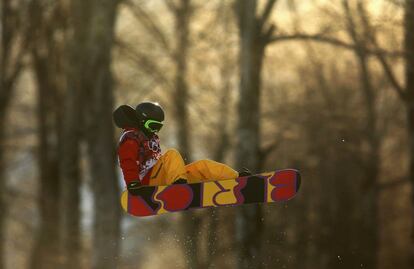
<point>268,187</point>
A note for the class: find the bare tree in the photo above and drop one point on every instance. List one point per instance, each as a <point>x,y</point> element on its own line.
<point>47,54</point>
<point>182,11</point>
<point>364,44</point>
<point>222,130</point>
<point>73,109</point>
<point>409,100</point>
<point>404,91</point>
<point>13,47</point>
<point>100,137</point>
<point>88,110</point>
<point>369,195</point>
<point>254,36</point>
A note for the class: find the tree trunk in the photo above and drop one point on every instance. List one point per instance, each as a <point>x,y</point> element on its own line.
<point>190,220</point>
<point>181,94</point>
<point>3,207</point>
<point>369,194</point>
<point>11,33</point>
<point>410,119</point>
<point>45,253</point>
<point>71,136</point>
<point>366,235</point>
<point>223,138</point>
<point>249,220</point>
<point>221,132</point>
<point>71,177</point>
<point>4,104</point>
<point>409,82</point>
<point>3,110</point>
<point>47,59</point>
<point>6,91</point>
<point>100,134</point>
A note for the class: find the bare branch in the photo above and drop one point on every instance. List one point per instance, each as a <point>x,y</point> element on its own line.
<point>267,34</point>
<point>391,76</point>
<point>149,24</point>
<point>13,36</point>
<point>369,31</point>
<point>266,12</point>
<point>171,5</point>
<point>350,25</point>
<point>311,37</point>
<point>370,34</point>
<point>144,62</point>
<point>321,38</point>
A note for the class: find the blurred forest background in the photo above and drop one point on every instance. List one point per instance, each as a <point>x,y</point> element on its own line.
<point>324,86</point>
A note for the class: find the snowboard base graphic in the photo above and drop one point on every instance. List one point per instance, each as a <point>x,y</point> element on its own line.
<point>270,187</point>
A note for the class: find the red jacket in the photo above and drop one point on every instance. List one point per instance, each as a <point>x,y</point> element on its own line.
<point>137,155</point>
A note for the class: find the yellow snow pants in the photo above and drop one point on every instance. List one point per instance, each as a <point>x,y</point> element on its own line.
<point>171,167</point>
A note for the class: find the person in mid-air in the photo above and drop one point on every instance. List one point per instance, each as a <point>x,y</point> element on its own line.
<point>140,157</point>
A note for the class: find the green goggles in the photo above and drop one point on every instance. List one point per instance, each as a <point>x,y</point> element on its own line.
<point>153,126</point>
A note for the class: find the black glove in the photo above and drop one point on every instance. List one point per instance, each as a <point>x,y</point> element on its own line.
<point>180,181</point>
<point>244,172</point>
<point>134,186</point>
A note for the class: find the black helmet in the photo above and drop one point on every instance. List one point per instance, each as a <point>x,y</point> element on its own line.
<point>147,116</point>
<point>150,115</point>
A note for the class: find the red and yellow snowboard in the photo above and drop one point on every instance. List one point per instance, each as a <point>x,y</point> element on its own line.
<point>271,187</point>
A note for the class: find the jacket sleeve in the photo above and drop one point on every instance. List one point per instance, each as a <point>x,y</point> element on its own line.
<point>128,160</point>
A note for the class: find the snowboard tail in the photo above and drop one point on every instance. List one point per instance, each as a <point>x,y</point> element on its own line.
<point>271,187</point>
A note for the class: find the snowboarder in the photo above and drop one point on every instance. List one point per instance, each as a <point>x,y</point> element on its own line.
<point>140,157</point>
